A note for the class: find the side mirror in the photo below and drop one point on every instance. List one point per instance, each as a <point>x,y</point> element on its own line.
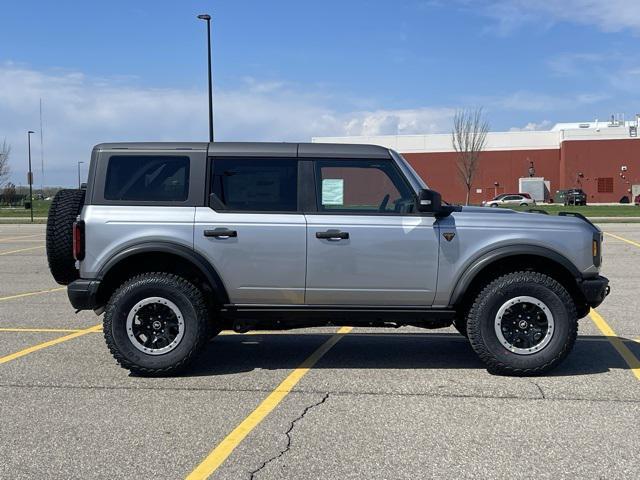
<point>429,201</point>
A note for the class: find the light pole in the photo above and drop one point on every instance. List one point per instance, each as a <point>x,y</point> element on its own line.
<point>30,175</point>
<point>207,18</point>
<point>79,184</point>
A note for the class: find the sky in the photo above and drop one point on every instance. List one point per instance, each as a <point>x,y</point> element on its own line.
<point>285,70</point>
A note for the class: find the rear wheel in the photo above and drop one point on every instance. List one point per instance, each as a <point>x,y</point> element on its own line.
<point>156,324</point>
<point>523,323</point>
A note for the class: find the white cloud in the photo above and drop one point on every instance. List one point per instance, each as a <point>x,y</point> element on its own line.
<point>576,64</point>
<point>80,111</point>
<point>607,15</point>
<point>528,101</point>
<point>533,127</point>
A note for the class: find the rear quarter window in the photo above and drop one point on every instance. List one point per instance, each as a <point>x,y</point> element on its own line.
<point>147,178</point>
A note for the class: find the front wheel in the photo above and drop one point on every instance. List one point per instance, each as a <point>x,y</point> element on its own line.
<point>523,323</point>
<point>156,324</point>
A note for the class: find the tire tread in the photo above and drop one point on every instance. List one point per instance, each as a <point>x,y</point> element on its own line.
<point>473,323</point>
<point>65,207</point>
<point>196,298</point>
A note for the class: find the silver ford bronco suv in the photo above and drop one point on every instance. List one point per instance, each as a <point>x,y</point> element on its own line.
<point>175,242</point>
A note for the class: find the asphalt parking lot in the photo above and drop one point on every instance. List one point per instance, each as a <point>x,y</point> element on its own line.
<point>404,403</point>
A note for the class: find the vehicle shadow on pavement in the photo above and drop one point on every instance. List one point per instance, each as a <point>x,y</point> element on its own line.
<point>231,354</point>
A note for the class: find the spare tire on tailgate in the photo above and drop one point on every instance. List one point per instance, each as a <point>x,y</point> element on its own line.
<point>65,208</point>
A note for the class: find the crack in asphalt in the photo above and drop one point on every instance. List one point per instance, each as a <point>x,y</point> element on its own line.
<point>335,393</point>
<point>544,397</point>
<point>288,434</point>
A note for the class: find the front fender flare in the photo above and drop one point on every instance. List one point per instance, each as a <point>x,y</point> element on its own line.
<point>479,263</point>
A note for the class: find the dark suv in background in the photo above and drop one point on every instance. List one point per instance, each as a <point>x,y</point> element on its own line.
<point>575,196</point>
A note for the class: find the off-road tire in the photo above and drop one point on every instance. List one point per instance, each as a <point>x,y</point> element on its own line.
<point>481,327</point>
<point>65,208</point>
<point>187,297</point>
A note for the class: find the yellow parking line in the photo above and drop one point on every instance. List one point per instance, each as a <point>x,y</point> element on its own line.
<point>228,445</point>
<point>8,239</point>
<point>21,250</point>
<point>617,343</point>
<point>29,294</point>
<point>50,343</point>
<point>630,242</point>
<point>40,330</point>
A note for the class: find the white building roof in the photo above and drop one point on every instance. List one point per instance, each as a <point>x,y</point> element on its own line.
<point>520,140</point>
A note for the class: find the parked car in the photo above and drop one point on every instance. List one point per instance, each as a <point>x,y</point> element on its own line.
<point>560,196</point>
<point>174,242</point>
<point>510,199</point>
<point>575,196</point>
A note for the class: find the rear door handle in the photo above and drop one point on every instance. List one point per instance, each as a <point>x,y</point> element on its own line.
<point>333,235</point>
<point>220,233</point>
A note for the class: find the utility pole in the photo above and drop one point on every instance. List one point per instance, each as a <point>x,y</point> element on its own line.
<point>41,153</point>
<point>30,175</point>
<point>207,18</point>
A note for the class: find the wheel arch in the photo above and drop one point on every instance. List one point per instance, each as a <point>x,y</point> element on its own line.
<point>165,257</point>
<point>514,258</point>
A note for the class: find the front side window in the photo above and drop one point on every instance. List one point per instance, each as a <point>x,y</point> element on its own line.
<point>147,178</point>
<point>362,186</point>
<point>255,184</point>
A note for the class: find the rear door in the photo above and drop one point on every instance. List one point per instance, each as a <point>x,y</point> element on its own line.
<point>366,245</point>
<point>252,232</point>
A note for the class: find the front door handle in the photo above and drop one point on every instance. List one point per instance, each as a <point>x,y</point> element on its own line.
<point>333,235</point>
<point>220,233</point>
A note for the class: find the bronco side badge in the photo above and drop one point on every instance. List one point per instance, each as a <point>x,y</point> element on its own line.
<point>448,236</point>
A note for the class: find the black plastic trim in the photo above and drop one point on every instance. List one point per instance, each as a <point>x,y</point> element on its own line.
<point>188,254</point>
<point>83,293</point>
<point>595,290</point>
<point>477,265</point>
<point>329,313</point>
<point>577,215</point>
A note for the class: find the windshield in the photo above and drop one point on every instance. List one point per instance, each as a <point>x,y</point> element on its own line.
<point>416,182</point>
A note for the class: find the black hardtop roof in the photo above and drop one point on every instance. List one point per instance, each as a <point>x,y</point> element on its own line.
<point>259,149</point>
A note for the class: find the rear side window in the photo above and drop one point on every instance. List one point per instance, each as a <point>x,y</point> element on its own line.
<point>255,184</point>
<point>147,178</point>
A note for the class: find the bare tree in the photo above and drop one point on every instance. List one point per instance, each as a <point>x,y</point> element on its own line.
<point>5,150</point>
<point>469,138</point>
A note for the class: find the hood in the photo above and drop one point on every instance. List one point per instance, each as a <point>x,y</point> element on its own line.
<point>505,216</point>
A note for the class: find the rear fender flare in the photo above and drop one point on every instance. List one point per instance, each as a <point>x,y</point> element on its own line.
<point>195,258</point>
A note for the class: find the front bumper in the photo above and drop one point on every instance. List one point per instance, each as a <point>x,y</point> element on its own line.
<point>83,294</point>
<point>595,290</point>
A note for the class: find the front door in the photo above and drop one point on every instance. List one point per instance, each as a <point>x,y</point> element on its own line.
<point>366,245</point>
<point>253,232</point>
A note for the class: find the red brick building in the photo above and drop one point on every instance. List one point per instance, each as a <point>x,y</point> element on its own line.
<point>601,158</point>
